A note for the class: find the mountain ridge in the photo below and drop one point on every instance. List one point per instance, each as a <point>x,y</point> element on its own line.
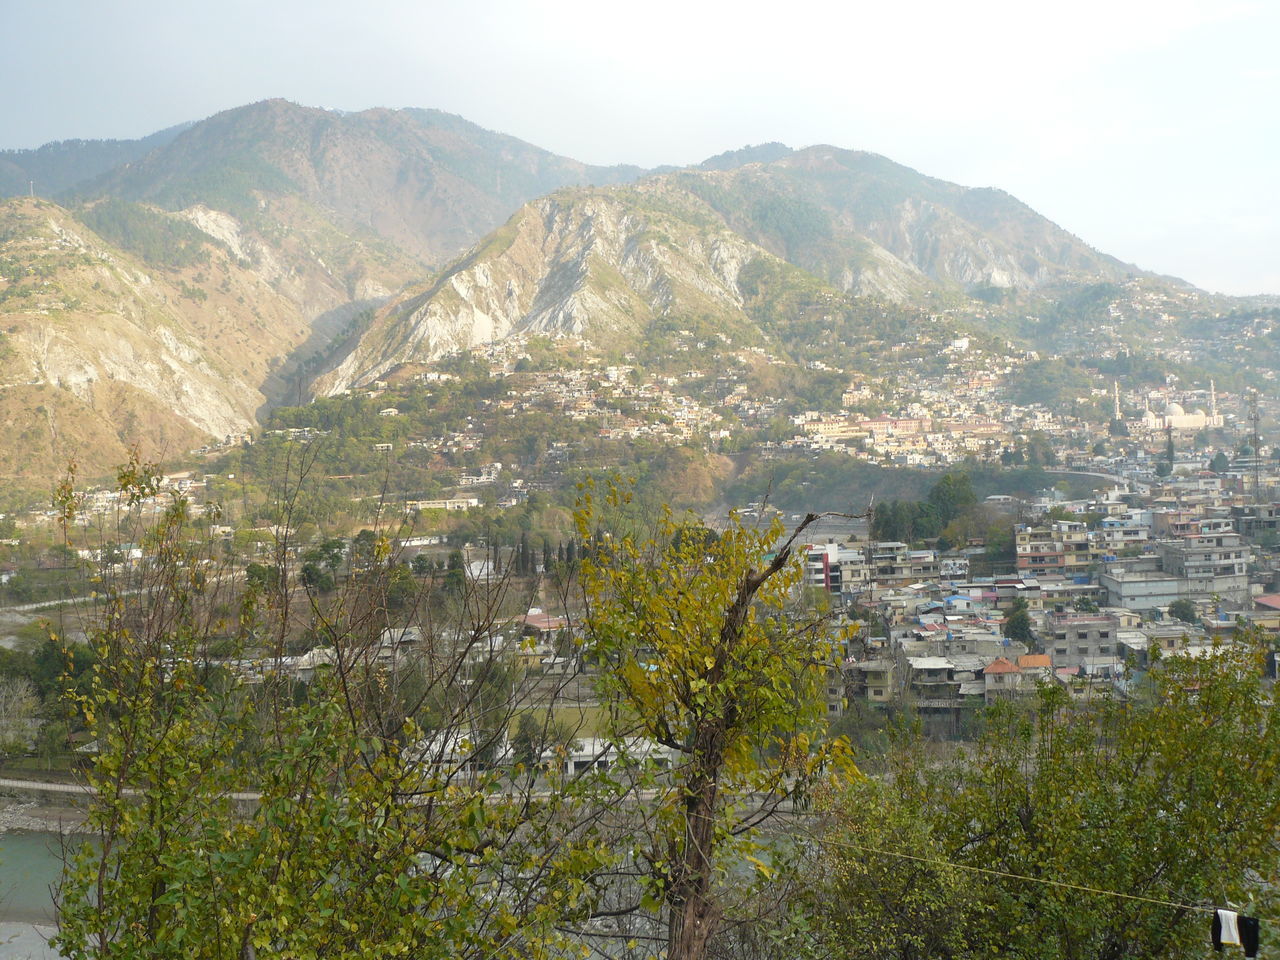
<point>294,247</point>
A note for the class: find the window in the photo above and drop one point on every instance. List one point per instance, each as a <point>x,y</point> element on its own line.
<point>1060,651</point>
<point>1082,651</point>
<point>1104,650</point>
<point>877,692</point>
<point>1104,634</point>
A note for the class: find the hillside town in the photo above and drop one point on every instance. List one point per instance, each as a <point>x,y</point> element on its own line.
<point>1097,590</point>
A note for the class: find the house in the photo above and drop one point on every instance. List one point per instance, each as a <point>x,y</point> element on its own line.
<point>1001,678</point>
<point>874,680</point>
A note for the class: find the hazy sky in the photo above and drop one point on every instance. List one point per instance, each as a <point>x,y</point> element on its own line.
<point>1150,128</point>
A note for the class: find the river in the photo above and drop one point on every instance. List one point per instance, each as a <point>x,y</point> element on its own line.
<point>30,863</point>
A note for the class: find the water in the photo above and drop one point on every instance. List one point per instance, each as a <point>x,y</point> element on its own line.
<point>30,863</point>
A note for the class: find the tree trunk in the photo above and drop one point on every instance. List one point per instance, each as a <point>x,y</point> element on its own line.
<point>694,912</point>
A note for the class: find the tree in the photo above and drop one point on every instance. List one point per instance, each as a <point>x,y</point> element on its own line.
<point>315,577</point>
<point>1219,463</point>
<point>699,656</point>
<point>1185,610</point>
<point>262,576</point>
<point>18,706</point>
<point>1017,626</point>
<point>537,733</point>
<point>951,496</point>
<point>1099,820</point>
<point>380,825</point>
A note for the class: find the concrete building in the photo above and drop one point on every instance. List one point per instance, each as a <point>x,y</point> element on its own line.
<point>1079,640</point>
<point>1061,547</point>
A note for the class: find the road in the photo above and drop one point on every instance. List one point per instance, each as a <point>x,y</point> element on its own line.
<point>80,789</point>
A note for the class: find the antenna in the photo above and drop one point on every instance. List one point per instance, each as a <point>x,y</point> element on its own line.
<point>1253,419</point>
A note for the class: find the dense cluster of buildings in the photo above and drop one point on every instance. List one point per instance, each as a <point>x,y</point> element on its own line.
<point>1095,585</point>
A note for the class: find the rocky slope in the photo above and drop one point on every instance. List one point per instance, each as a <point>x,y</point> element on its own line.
<point>101,352</point>
<point>601,264</point>
<point>187,288</point>
<point>183,290</point>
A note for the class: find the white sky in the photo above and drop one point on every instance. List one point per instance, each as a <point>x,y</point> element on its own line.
<point>1150,128</point>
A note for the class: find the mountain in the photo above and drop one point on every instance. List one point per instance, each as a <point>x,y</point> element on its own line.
<point>426,183</point>
<point>874,227</point>
<point>602,263</point>
<point>223,266</point>
<point>240,246</point>
<point>101,351</point>
<point>65,164</point>
<point>688,246</point>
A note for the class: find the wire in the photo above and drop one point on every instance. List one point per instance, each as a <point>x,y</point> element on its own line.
<point>1018,876</point>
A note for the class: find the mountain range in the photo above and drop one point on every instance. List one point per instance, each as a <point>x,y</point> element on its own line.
<point>169,289</point>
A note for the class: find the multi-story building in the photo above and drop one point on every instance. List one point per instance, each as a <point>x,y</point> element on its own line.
<point>1060,547</point>
<point>1212,563</point>
<point>1193,567</point>
<point>1255,520</point>
<point>1082,640</point>
<point>875,680</point>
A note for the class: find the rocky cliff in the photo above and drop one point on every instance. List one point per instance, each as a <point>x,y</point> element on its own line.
<point>101,351</point>
<point>600,263</point>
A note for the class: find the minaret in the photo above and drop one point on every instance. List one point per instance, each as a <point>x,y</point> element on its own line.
<point>1213,406</point>
<point>1115,393</point>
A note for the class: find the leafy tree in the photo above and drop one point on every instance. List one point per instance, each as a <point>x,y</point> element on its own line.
<point>262,576</point>
<point>455,576</point>
<point>1017,626</point>
<point>699,656</point>
<point>51,740</point>
<point>1219,463</point>
<point>1184,610</point>
<point>1099,820</point>
<point>371,834</point>
<point>537,733</point>
<point>951,496</point>
<point>315,577</point>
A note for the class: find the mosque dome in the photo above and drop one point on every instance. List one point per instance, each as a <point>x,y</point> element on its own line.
<point>1174,410</point>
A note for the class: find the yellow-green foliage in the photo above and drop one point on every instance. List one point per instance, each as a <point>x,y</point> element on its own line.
<point>702,654</point>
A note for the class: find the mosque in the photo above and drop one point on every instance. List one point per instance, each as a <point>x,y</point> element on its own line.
<point>1175,417</point>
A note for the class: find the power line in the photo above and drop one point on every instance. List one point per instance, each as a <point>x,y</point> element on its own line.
<point>1018,876</point>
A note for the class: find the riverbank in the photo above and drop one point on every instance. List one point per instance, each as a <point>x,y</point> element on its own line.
<point>39,816</point>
